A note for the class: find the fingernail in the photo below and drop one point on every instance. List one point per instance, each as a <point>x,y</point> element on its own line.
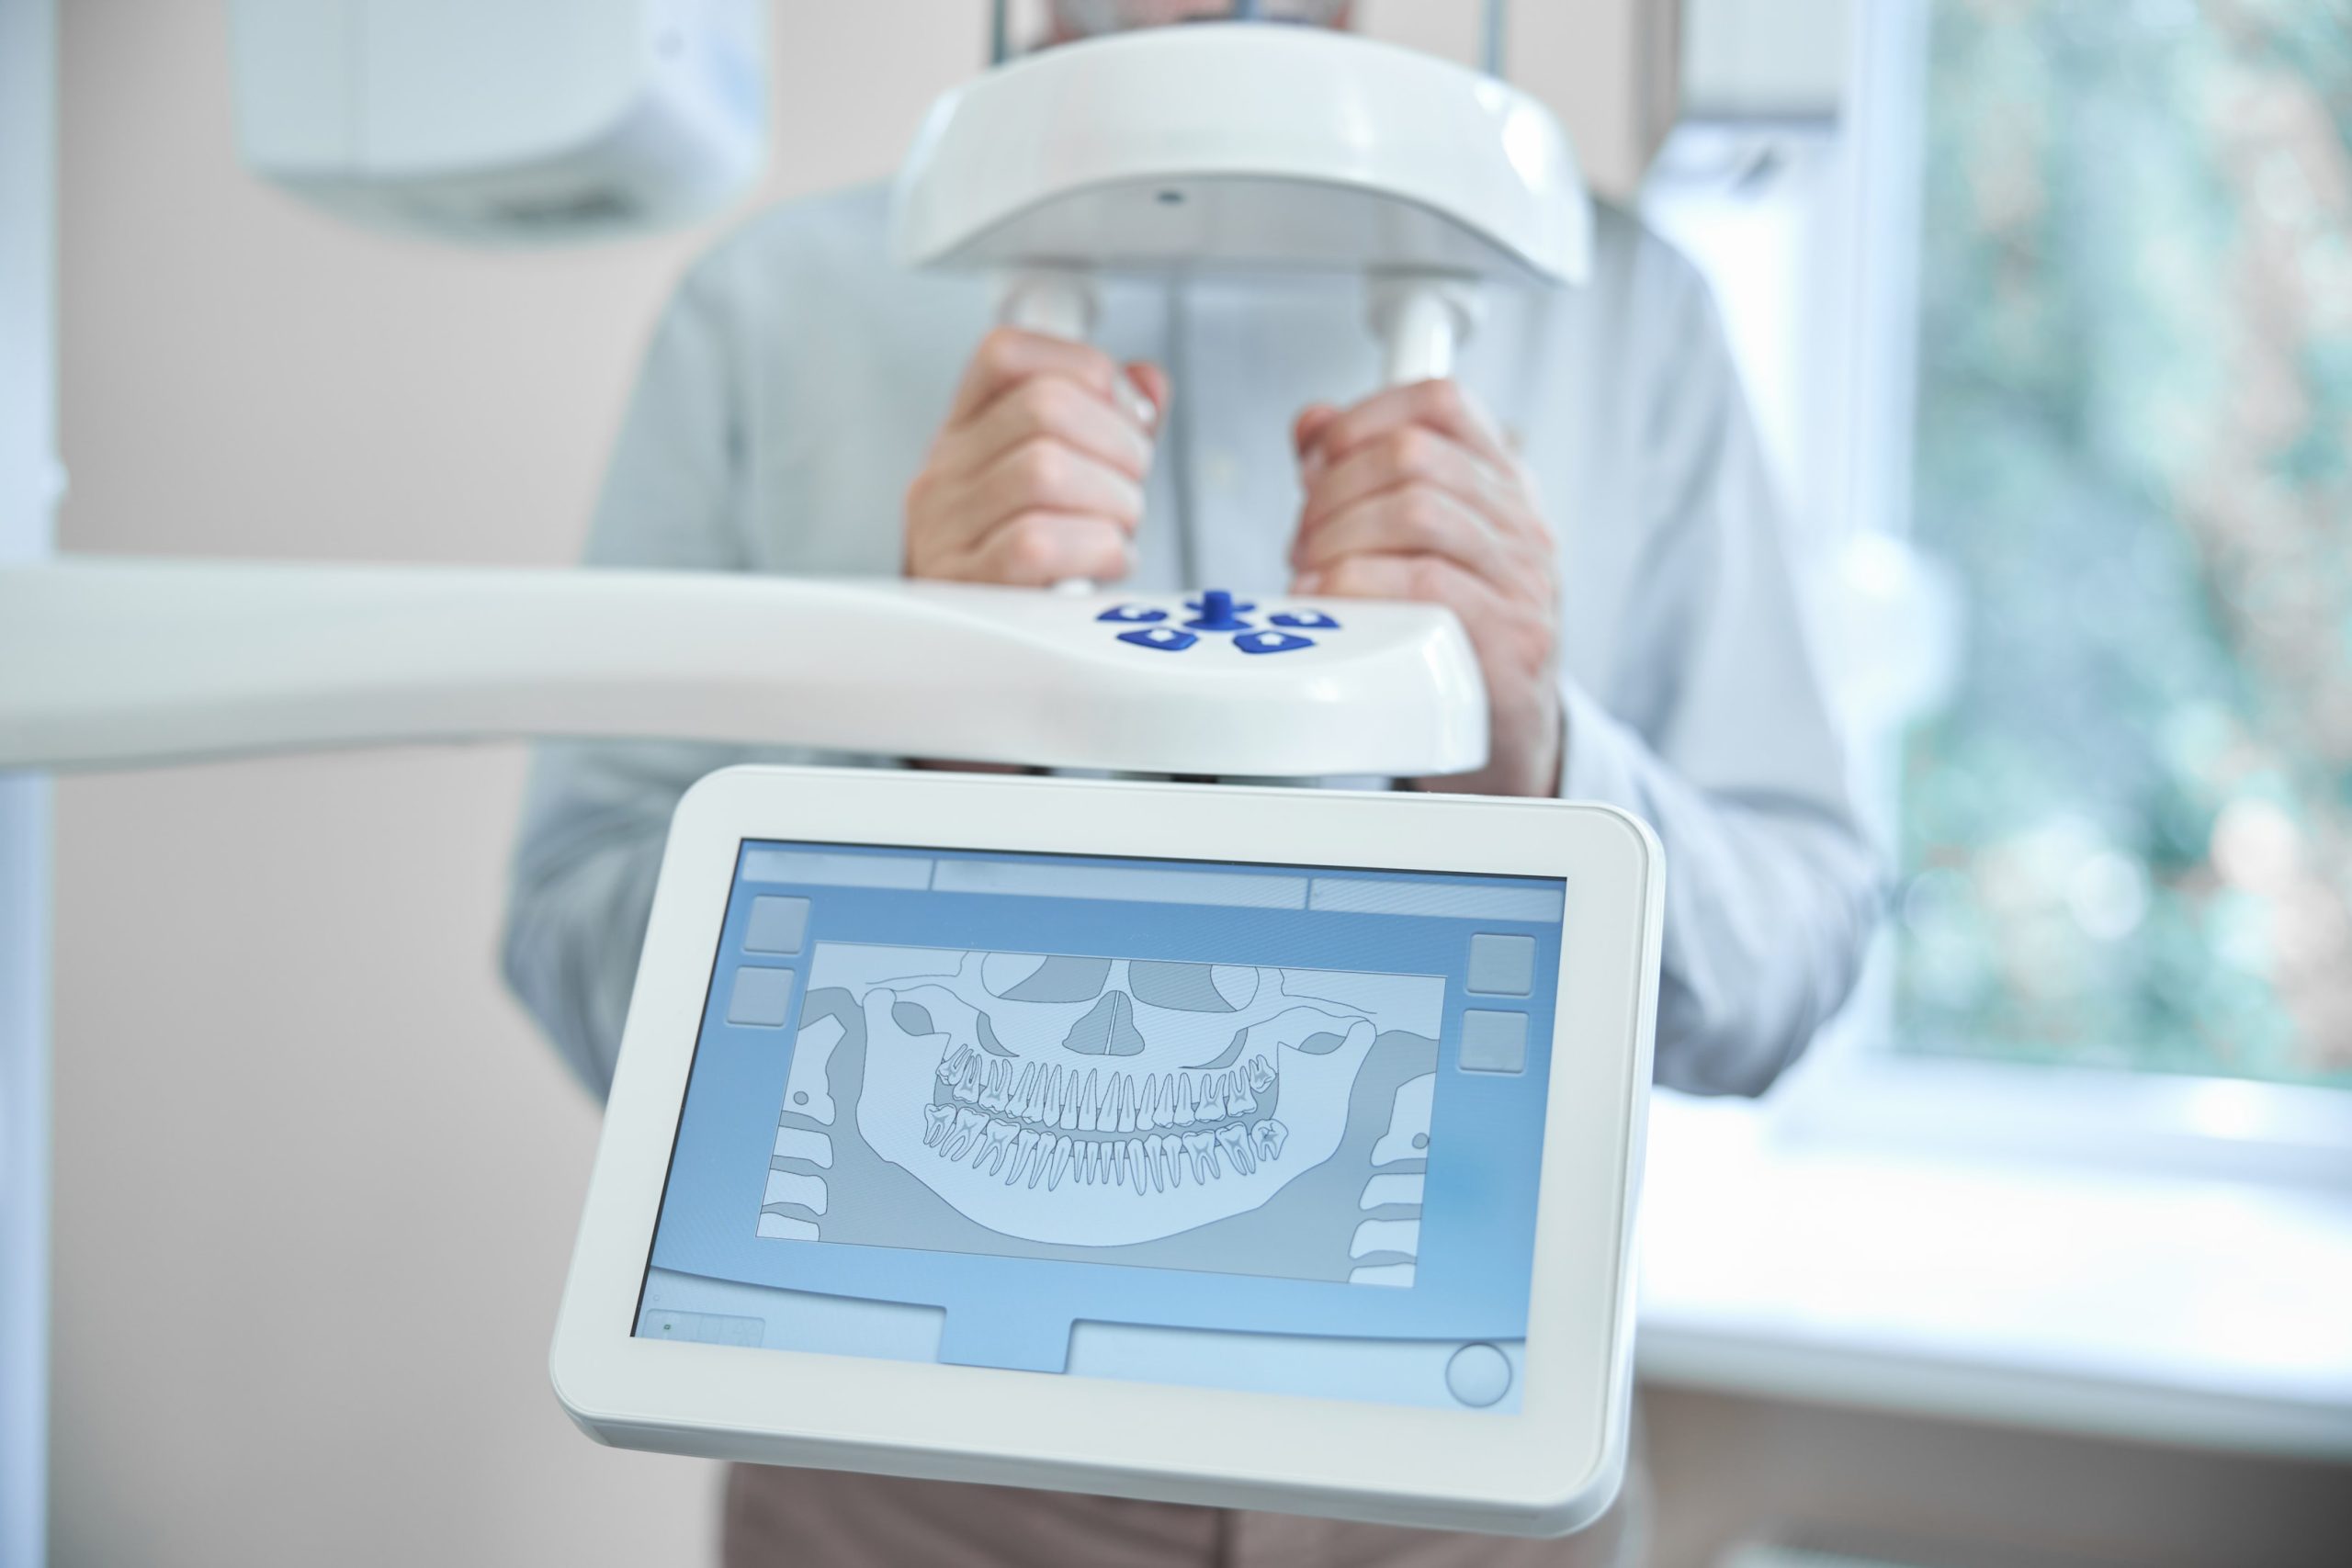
<point>1140,409</point>
<point>1310,464</point>
<point>1309,583</point>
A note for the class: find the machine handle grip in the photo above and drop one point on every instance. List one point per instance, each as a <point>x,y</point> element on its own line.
<point>1057,301</point>
<point>1422,322</point>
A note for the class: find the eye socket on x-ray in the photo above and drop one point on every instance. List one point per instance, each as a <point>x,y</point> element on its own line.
<point>1049,977</point>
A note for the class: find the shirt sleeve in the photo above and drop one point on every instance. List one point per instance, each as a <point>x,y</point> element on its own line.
<point>1715,730</point>
<point>596,813</point>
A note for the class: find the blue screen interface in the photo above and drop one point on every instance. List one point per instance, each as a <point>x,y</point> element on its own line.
<point>1260,1127</point>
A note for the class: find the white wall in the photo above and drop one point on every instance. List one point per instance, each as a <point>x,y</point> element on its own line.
<point>316,1177</point>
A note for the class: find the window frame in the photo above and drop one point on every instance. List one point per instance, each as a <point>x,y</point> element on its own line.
<point>1856,292</point>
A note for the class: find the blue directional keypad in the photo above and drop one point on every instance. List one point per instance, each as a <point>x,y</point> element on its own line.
<point>1168,639</point>
<point>1216,612</point>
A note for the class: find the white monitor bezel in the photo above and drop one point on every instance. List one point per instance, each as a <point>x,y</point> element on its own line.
<point>1552,1467</point>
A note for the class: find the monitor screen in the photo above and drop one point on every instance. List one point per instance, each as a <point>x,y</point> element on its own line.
<point>1263,1127</point>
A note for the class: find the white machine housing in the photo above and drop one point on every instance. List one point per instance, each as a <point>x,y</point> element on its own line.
<point>503,120</point>
<point>1243,145</point>
<point>552,119</point>
<point>1552,1467</point>
<point>1749,62</point>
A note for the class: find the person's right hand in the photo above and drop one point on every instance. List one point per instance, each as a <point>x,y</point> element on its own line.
<point>1037,475</point>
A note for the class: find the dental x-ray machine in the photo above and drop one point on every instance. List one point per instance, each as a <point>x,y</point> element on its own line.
<point>1190,148</point>
<point>1454,995</point>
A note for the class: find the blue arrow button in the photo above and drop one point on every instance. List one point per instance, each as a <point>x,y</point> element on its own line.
<point>1271,642</point>
<point>1168,639</point>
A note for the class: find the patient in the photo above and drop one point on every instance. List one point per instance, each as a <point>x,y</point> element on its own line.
<point>1587,496</point>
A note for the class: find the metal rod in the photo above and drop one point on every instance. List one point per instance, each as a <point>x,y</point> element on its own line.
<point>1491,46</point>
<point>1000,32</point>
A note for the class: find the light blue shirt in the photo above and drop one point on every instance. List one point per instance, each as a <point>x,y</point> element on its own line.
<point>796,382</point>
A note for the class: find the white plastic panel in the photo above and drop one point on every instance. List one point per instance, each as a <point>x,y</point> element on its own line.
<point>120,661</point>
<point>1246,144</point>
<point>1551,1464</point>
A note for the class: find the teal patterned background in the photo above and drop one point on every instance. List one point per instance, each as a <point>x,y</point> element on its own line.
<point>2128,838</point>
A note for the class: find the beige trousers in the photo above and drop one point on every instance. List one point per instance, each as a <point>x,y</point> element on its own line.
<point>811,1518</point>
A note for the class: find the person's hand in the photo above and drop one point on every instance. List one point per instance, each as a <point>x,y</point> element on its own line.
<point>1412,494</point>
<point>1037,475</point>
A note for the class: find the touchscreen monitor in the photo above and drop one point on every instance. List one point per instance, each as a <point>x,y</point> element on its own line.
<point>1260,1127</point>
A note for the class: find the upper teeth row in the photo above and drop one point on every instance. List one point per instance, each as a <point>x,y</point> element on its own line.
<point>1101,1099</point>
<point>1149,1163</point>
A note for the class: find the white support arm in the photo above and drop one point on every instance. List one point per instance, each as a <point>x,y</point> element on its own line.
<point>120,663</point>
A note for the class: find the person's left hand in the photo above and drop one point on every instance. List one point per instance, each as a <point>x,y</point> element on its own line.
<point>1412,494</point>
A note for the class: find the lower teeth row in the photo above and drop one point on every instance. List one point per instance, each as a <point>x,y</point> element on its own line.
<point>1153,1163</point>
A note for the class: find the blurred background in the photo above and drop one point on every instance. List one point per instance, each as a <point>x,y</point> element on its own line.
<point>2127,827</point>
<point>2043,1256</point>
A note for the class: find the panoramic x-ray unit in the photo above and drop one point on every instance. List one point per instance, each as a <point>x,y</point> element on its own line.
<point>1221,1145</point>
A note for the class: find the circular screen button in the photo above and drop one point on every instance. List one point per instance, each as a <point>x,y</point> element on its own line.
<point>1478,1375</point>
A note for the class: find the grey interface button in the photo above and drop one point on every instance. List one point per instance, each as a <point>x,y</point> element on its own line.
<point>826,868</point>
<point>1478,1375</point>
<point>708,1327</point>
<point>1134,884</point>
<point>779,924</point>
<point>1488,900</point>
<point>762,998</point>
<point>1493,1042</point>
<point>1502,965</point>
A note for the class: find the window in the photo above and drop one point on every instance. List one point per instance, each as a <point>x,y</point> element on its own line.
<point>2126,834</point>
<point>2049,339</point>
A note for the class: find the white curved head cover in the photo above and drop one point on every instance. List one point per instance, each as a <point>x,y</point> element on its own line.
<point>1248,145</point>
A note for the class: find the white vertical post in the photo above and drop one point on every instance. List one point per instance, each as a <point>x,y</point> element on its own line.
<point>1057,301</point>
<point>1493,40</point>
<point>1421,322</point>
<point>1419,340</point>
<point>29,486</point>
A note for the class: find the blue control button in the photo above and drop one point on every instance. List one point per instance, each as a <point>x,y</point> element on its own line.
<point>1218,613</point>
<point>1132,612</point>
<point>1313,620</point>
<point>1241,606</point>
<point>1166,639</point>
<point>1269,642</point>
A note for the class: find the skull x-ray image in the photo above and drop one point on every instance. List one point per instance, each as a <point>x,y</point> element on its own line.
<point>1199,1116</point>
